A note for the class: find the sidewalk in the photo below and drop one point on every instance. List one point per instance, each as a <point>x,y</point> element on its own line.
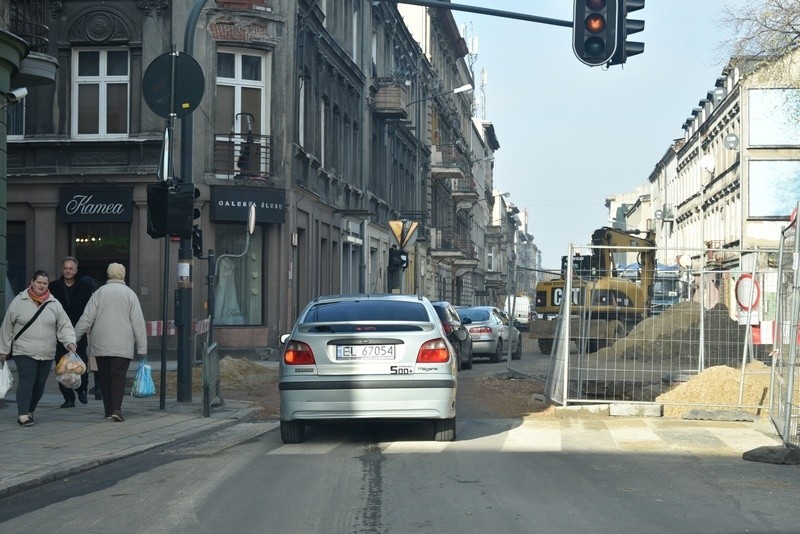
<point>67,441</point>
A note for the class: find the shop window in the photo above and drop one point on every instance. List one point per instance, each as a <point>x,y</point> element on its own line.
<point>239,283</point>
<point>101,93</point>
<point>97,244</point>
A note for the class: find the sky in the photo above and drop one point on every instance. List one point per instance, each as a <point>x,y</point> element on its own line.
<point>571,135</point>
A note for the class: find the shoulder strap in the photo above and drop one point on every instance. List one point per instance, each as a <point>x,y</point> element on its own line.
<point>35,315</point>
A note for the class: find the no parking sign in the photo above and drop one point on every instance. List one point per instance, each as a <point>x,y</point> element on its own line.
<point>748,298</point>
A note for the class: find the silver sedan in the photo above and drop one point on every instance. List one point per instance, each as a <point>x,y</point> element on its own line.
<point>367,357</point>
<point>492,332</point>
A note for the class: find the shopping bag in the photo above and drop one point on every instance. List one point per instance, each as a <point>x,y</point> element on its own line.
<point>6,379</point>
<point>69,370</point>
<point>143,385</point>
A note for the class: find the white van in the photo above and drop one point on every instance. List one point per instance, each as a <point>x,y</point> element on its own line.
<point>520,313</point>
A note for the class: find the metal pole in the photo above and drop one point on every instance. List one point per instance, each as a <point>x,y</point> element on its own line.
<point>185,258</point>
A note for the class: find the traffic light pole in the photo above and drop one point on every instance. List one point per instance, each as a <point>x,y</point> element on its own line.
<point>183,295</point>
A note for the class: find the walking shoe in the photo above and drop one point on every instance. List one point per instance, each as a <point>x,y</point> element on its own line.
<point>116,416</point>
<point>82,397</point>
<point>26,422</point>
<point>68,404</point>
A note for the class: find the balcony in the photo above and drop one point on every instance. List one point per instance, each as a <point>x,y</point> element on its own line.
<point>243,156</point>
<point>447,161</point>
<point>391,98</point>
<point>28,20</point>
<point>464,189</point>
<point>448,244</point>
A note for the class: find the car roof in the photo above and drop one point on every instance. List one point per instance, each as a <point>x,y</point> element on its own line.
<point>371,296</point>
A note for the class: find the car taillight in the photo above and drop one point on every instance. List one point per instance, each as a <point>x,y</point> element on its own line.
<point>448,328</point>
<point>433,351</point>
<point>298,353</point>
<point>480,330</point>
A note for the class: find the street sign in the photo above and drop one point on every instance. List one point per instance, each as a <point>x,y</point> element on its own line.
<point>189,85</point>
<point>404,232</point>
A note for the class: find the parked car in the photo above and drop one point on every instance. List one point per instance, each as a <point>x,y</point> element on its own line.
<point>367,357</point>
<point>457,333</point>
<point>492,332</point>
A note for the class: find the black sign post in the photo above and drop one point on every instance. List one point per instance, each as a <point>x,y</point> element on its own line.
<point>173,86</point>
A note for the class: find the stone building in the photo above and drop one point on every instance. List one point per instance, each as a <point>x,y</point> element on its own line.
<point>333,117</point>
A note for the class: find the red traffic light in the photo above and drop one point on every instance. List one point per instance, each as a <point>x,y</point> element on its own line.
<point>595,23</point>
<point>594,29</point>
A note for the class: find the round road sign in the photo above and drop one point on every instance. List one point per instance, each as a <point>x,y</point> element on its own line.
<point>189,84</point>
<point>748,292</point>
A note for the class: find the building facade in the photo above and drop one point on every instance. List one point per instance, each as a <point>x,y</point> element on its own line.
<point>333,117</point>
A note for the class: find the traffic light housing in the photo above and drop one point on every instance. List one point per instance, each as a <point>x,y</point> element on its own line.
<point>594,30</point>
<point>627,27</point>
<point>398,258</point>
<point>170,210</point>
<point>197,241</point>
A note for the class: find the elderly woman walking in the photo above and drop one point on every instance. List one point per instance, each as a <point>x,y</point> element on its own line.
<point>114,322</point>
<point>33,324</point>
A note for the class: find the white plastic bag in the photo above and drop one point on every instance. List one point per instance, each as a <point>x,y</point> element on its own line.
<point>69,370</point>
<point>6,379</point>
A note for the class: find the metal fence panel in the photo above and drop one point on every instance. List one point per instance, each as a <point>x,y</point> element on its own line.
<point>702,350</point>
<point>785,393</point>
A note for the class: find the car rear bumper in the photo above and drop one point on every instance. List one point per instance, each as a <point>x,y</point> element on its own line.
<point>368,399</point>
<point>484,346</point>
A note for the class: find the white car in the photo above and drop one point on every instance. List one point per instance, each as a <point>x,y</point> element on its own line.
<point>367,357</point>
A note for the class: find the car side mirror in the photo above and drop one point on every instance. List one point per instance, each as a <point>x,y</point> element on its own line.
<point>466,321</point>
<point>284,338</point>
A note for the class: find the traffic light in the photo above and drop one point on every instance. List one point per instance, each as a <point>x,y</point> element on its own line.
<point>398,259</point>
<point>626,27</point>
<point>170,210</point>
<point>594,30</point>
<point>197,241</point>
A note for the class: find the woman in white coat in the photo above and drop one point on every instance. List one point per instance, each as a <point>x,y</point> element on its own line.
<point>33,345</point>
<point>114,321</point>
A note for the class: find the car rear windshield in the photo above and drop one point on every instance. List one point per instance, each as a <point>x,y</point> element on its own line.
<point>474,315</point>
<point>366,310</point>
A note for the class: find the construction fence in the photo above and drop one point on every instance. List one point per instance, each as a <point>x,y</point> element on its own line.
<point>711,340</point>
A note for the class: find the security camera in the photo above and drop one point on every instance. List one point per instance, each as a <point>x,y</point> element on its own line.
<point>17,94</point>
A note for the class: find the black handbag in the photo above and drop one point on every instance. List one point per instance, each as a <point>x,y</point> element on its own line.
<point>21,330</point>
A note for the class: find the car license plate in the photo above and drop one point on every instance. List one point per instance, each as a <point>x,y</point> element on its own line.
<point>365,352</point>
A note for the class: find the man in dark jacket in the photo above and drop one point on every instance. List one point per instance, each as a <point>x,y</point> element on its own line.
<point>73,293</point>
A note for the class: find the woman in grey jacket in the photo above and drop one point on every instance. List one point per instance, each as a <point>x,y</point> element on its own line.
<point>34,349</point>
<point>115,326</point>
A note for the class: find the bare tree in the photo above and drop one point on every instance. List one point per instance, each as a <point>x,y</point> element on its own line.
<point>762,28</point>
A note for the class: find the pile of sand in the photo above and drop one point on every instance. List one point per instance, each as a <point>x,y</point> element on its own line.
<point>718,387</point>
<point>234,373</point>
<point>675,336</point>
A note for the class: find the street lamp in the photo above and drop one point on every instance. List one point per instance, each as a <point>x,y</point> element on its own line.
<point>461,89</point>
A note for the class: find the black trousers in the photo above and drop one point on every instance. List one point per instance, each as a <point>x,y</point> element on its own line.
<point>113,375</point>
<point>69,393</point>
<point>32,379</point>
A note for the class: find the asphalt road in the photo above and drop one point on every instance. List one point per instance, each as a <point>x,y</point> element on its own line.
<point>500,475</point>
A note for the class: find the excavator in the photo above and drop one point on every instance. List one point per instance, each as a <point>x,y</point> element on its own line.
<point>605,306</point>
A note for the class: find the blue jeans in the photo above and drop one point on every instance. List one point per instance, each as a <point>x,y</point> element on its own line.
<point>32,378</point>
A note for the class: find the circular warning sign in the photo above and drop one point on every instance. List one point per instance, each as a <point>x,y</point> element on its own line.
<point>748,292</point>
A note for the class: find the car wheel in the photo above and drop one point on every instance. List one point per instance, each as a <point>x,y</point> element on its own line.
<point>444,429</point>
<point>293,431</point>
<point>546,345</point>
<point>498,352</point>
<point>468,364</point>
<point>518,353</point>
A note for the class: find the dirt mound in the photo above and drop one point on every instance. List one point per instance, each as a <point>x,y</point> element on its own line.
<point>675,336</point>
<point>719,387</point>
